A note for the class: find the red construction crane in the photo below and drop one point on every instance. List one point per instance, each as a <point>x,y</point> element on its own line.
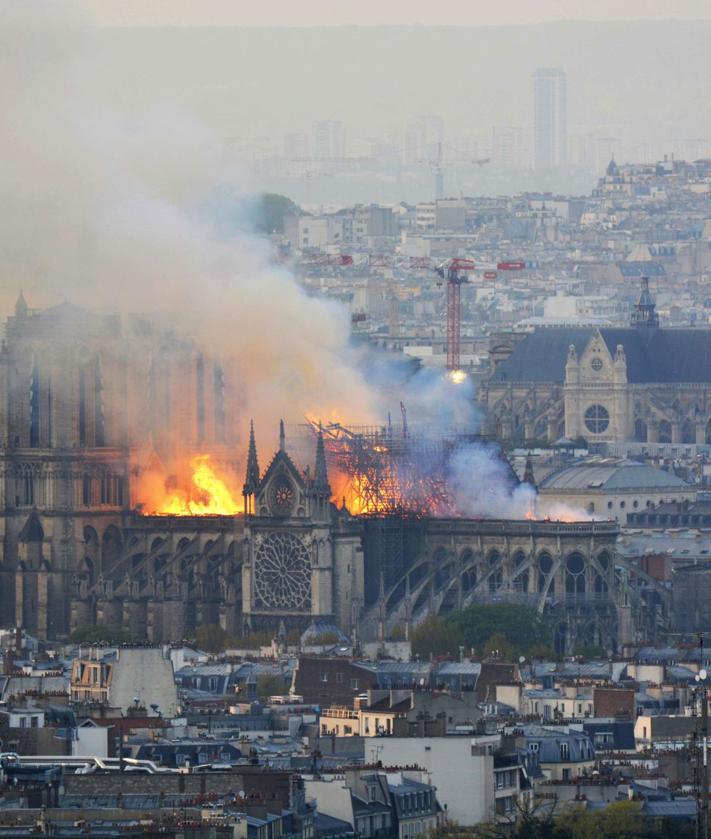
<point>454,272</point>
<point>327,259</point>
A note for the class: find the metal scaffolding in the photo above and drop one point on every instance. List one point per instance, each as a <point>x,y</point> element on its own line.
<point>392,468</point>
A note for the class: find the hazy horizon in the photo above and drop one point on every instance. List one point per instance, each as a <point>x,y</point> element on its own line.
<point>637,90</point>
<point>371,12</point>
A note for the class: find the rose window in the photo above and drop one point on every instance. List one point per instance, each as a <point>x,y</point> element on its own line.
<point>282,573</point>
<point>597,419</point>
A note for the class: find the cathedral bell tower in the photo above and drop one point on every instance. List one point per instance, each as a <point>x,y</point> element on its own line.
<point>288,557</point>
<point>645,314</point>
<point>319,488</point>
<point>251,479</point>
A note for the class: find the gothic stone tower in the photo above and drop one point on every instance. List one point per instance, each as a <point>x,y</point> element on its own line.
<point>82,393</point>
<point>298,564</point>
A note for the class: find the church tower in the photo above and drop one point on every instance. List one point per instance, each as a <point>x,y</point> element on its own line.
<point>320,489</point>
<point>644,314</point>
<point>251,479</point>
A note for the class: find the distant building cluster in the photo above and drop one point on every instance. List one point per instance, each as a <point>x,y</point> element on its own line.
<point>306,741</point>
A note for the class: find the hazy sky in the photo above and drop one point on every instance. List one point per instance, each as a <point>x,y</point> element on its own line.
<point>374,12</point>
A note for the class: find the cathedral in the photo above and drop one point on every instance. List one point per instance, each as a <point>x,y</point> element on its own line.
<point>92,402</point>
<point>642,383</point>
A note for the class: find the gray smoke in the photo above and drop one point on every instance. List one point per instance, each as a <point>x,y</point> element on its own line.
<point>109,208</point>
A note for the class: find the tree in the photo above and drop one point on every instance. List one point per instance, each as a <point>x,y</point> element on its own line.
<point>544,651</point>
<point>397,633</point>
<point>436,637</point>
<point>254,640</point>
<point>323,639</point>
<point>269,685</point>
<point>522,626</point>
<point>499,646</point>
<point>103,635</point>
<point>620,820</point>
<point>589,651</point>
<point>271,210</point>
<point>211,637</point>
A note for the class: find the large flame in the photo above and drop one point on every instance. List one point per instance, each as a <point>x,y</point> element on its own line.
<point>356,493</point>
<point>202,492</point>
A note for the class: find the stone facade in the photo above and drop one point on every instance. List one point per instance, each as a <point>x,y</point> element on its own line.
<point>643,383</point>
<point>89,401</point>
<point>564,569</point>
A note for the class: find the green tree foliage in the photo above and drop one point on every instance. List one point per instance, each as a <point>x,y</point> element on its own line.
<point>323,639</point>
<point>499,646</point>
<point>255,640</point>
<point>436,637</point>
<point>212,638</point>
<point>103,635</point>
<point>620,820</point>
<point>268,685</point>
<point>271,210</point>
<point>542,651</point>
<point>397,633</point>
<point>589,651</point>
<point>511,629</point>
<point>522,626</point>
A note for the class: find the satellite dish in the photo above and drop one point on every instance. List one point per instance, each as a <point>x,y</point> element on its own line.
<point>703,674</point>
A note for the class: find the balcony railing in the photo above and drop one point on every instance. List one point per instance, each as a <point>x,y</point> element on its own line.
<point>339,714</point>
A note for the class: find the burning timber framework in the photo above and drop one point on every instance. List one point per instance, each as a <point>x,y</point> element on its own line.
<point>392,469</point>
<point>74,551</point>
<point>296,557</point>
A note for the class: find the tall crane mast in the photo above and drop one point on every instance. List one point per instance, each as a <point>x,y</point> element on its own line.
<point>454,272</point>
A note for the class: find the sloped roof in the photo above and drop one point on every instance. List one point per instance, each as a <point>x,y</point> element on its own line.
<point>459,668</point>
<point>610,476</point>
<point>641,268</point>
<point>653,355</point>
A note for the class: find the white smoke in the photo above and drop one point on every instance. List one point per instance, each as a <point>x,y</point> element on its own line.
<point>482,485</point>
<point>108,208</point>
<point>111,208</point>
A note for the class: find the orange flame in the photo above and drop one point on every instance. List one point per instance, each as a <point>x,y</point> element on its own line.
<point>203,493</point>
<point>354,491</point>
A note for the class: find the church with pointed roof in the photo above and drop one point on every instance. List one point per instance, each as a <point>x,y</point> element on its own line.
<point>644,383</point>
<point>95,403</point>
<point>295,562</point>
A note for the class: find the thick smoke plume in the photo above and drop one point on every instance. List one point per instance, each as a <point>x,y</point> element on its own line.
<point>113,208</point>
<point>482,485</point>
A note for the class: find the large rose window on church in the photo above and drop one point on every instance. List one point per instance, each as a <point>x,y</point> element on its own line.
<point>597,419</point>
<point>282,574</point>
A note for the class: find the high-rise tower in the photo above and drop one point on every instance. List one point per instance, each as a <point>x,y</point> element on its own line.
<point>550,119</point>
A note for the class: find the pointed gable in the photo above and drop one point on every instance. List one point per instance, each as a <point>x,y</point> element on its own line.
<point>596,359</point>
<point>283,489</point>
<point>653,356</point>
<point>32,530</point>
<point>281,463</point>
